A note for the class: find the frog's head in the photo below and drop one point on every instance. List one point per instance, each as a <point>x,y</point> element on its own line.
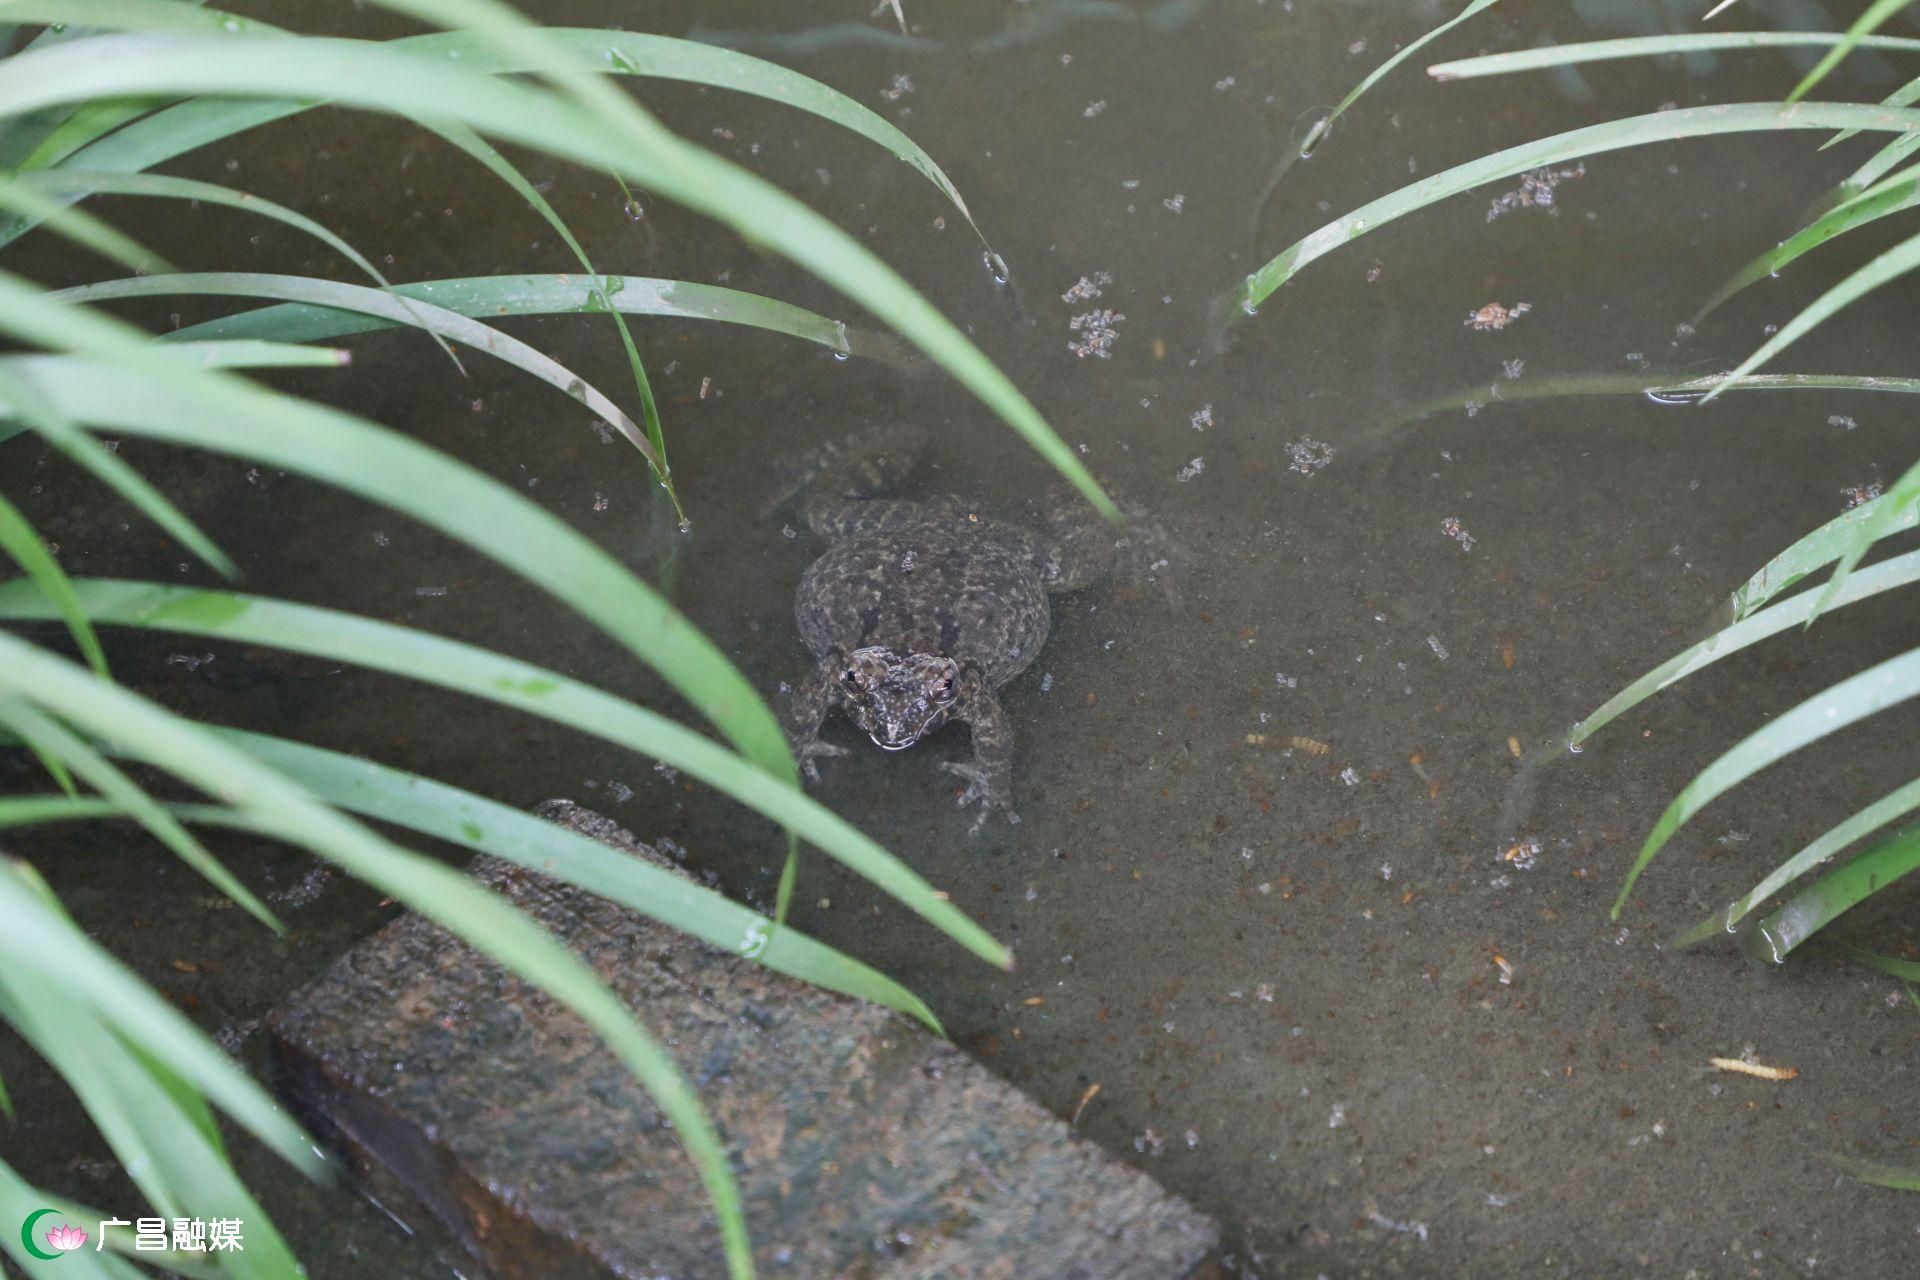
<point>898,698</point>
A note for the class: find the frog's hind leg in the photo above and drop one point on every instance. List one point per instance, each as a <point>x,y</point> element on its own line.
<point>861,467</point>
<point>989,775</point>
<point>1085,546</point>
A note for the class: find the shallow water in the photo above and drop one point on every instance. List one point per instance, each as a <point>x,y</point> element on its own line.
<point>1261,893</point>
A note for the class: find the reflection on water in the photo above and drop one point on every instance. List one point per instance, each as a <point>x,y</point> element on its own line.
<point>1298,893</point>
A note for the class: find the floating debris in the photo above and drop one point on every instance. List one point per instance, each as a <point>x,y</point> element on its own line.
<point>1193,1139</point>
<point>1860,495</point>
<point>1202,417</point>
<point>1494,317</point>
<point>1337,1119</point>
<point>1087,1096</point>
<point>1264,992</point>
<point>1452,527</point>
<point>1506,969</point>
<point>1095,108</point>
<point>666,771</point>
<point>1150,1143</point>
<point>1223,84</point>
<point>1420,1230</point>
<point>1285,681</point>
<point>1513,369</point>
<point>1087,288</point>
<point>1348,776</point>
<point>902,86</point>
<point>1097,333</point>
<point>1522,853</point>
<point>1307,455</point>
<point>1175,202</point>
<point>1746,1065</point>
<point>188,660</point>
<point>1191,470</point>
<point>1439,650</point>
<point>1535,191</point>
<point>1841,420</point>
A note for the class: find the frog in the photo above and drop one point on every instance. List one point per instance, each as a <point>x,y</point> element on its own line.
<point>921,610</point>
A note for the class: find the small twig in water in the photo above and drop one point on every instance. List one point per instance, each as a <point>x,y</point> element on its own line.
<point>894,5</point>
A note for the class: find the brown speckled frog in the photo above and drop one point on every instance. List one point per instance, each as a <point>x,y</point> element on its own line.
<point>921,610</point>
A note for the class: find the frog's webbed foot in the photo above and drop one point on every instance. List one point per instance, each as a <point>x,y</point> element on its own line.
<point>989,775</point>
<point>1087,546</point>
<point>984,785</point>
<point>806,752</point>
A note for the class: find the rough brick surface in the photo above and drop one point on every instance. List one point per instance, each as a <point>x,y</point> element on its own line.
<point>478,1110</point>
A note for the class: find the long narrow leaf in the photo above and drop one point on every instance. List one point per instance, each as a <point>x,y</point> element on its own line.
<point>1614,135</point>
<point>1385,69</point>
<point>23,546</point>
<point>1749,630</point>
<point>1860,526</point>
<point>1887,809</point>
<point>1838,891</point>
<point>1566,55</point>
<point>486,826</point>
<point>1884,199</point>
<point>398,310</point>
<point>80,227</point>
<point>55,739</point>
<point>143,392</point>
<point>43,415</point>
<point>41,940</point>
<point>479,673</point>
<point>1861,31</point>
<point>75,182</point>
<point>147,731</point>
<point>536,295</point>
<point>642,151</point>
<point>1871,691</point>
<point>1887,267</point>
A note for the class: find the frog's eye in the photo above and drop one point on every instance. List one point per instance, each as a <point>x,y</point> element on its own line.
<point>943,688</point>
<point>851,678</point>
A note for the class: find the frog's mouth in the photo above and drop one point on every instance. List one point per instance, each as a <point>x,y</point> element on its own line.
<point>884,745</point>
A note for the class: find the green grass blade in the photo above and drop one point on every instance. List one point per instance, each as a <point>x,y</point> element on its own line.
<point>536,295</point>
<point>145,392</point>
<point>54,738</point>
<point>21,396</point>
<point>1862,29</point>
<point>1888,158</point>
<point>1566,55</point>
<point>1874,1174</point>
<point>1750,629</point>
<point>400,310</point>
<point>1855,698</point>
<point>486,826</point>
<point>1614,135</point>
<point>1385,69</point>
<point>39,939</point>
<point>1890,514</point>
<point>1840,890</point>
<point>24,547</point>
<point>25,401</point>
<point>1888,266</point>
<point>167,1148</point>
<point>76,183</point>
<point>489,156</point>
<point>6,1105</point>
<point>634,145</point>
<point>1908,970</point>
<point>1905,96</point>
<point>80,227</point>
<point>149,732</point>
<point>479,673</point>
<point>1888,809</point>
<point>1894,195</point>
<point>1871,520</point>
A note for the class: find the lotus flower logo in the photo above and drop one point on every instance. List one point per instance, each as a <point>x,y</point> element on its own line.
<point>66,1239</point>
<point>61,1240</point>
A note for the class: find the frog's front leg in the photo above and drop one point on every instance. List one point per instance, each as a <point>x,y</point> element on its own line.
<point>989,774</point>
<point>813,697</point>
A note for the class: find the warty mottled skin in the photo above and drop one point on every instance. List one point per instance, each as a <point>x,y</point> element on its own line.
<point>919,611</point>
